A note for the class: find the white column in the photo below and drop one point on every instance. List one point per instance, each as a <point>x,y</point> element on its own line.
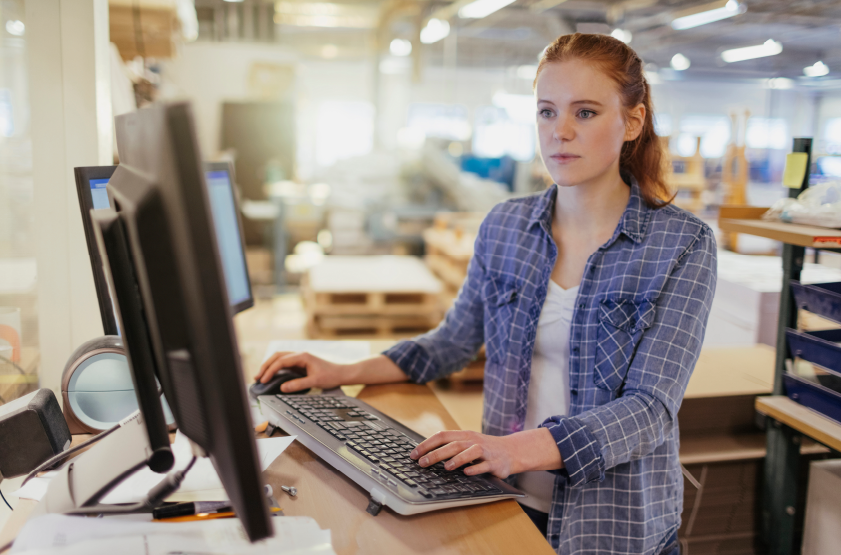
<point>71,126</point>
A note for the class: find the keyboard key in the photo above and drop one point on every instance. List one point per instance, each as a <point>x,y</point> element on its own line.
<point>410,483</point>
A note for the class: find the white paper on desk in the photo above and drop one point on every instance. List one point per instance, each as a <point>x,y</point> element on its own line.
<point>67,535</point>
<point>201,478</point>
<point>334,351</point>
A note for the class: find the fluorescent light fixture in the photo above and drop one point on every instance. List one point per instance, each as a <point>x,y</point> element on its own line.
<point>818,69</point>
<point>482,8</point>
<point>680,62</point>
<point>400,47</point>
<point>707,13</point>
<point>325,14</point>
<point>623,35</point>
<point>15,27</point>
<point>435,30</point>
<point>769,48</point>
<point>780,83</point>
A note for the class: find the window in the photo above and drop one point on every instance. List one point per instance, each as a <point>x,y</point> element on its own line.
<point>507,128</point>
<point>343,130</point>
<point>18,296</point>
<point>832,136</point>
<point>714,131</point>
<point>767,133</point>
<point>442,121</point>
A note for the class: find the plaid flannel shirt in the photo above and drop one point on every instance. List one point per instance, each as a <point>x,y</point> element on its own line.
<point>636,333</point>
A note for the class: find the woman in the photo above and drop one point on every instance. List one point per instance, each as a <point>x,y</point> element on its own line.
<point>592,300</point>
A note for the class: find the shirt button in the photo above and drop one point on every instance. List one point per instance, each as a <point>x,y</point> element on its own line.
<point>573,392</point>
<point>575,349</point>
<point>581,305</point>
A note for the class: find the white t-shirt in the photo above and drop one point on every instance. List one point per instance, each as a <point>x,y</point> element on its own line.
<point>549,383</point>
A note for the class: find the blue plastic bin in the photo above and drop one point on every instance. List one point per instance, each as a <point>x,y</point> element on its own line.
<point>823,299</point>
<point>825,399</point>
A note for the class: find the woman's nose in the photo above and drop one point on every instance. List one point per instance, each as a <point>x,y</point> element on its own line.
<point>564,130</point>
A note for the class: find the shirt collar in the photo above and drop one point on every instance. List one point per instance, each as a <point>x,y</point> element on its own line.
<point>633,222</point>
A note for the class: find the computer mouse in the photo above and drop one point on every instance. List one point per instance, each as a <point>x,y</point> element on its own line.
<point>272,387</point>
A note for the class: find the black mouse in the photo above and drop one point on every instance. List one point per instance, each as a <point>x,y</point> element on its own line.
<point>272,387</point>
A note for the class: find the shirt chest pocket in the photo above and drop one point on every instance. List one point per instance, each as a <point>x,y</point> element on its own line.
<point>500,300</point>
<point>621,325</point>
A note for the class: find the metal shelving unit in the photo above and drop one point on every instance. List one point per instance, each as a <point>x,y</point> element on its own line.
<point>787,420</point>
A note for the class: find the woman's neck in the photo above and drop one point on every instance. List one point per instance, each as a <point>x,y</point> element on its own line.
<point>590,207</point>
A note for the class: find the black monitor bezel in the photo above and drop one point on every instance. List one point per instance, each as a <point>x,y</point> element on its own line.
<point>229,167</point>
<point>161,193</point>
<point>83,176</point>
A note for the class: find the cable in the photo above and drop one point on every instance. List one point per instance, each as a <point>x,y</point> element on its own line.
<point>51,462</point>
<point>6,502</point>
<point>154,498</point>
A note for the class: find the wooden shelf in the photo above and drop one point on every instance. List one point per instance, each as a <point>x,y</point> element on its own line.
<point>793,234</point>
<point>804,420</point>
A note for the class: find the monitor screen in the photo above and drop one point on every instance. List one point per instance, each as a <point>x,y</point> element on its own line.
<point>99,194</point>
<point>226,222</point>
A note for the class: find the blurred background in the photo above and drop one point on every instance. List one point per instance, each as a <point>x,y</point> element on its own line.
<point>369,138</point>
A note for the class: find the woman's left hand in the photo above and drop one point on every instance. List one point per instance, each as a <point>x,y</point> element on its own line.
<point>500,456</point>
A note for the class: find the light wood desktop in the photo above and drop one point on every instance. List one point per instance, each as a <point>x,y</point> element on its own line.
<point>337,503</point>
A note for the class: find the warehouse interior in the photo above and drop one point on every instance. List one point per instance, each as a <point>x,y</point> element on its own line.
<point>369,139</point>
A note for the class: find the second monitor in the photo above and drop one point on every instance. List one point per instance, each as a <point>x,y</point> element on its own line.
<point>91,185</point>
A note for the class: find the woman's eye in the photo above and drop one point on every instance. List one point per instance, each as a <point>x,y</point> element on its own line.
<point>545,113</point>
<point>586,114</point>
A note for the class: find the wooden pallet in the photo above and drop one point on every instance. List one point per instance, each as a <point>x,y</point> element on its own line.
<point>448,253</point>
<point>370,327</point>
<point>379,297</point>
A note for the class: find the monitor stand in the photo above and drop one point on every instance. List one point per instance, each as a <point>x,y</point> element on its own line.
<point>86,479</point>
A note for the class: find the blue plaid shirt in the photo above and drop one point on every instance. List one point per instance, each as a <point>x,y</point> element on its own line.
<point>636,333</point>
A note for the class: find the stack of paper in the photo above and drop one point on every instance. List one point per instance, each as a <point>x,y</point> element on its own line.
<point>69,535</point>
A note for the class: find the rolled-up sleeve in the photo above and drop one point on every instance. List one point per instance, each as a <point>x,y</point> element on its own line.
<point>637,422</point>
<point>457,340</point>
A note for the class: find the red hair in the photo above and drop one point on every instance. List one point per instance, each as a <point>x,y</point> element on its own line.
<point>644,157</point>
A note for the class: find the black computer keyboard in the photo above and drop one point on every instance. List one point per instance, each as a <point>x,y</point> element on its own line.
<point>380,447</point>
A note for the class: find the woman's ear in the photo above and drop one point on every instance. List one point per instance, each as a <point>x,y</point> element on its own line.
<point>634,122</point>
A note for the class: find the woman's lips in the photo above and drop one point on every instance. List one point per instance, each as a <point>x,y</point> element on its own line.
<point>564,158</point>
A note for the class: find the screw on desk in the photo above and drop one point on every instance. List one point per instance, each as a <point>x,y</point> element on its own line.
<point>291,490</point>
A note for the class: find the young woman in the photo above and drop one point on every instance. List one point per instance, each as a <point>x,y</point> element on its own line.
<point>592,300</point>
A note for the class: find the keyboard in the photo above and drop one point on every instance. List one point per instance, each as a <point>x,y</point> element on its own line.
<point>373,449</point>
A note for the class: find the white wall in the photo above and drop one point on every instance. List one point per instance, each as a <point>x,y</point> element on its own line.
<point>70,107</point>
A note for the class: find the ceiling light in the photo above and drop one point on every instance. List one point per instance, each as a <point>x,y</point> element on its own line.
<point>780,83</point>
<point>15,27</point>
<point>435,30</point>
<point>680,62</point>
<point>400,47</point>
<point>707,13</point>
<point>325,14</point>
<point>768,48</point>
<point>818,69</point>
<point>622,34</point>
<point>482,8</point>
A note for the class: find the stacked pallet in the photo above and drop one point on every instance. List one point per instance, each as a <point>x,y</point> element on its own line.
<point>449,247</point>
<point>371,297</point>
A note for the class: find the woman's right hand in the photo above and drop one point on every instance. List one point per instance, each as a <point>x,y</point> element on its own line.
<point>320,373</point>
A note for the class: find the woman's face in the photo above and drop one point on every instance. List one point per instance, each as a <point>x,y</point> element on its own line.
<point>581,123</point>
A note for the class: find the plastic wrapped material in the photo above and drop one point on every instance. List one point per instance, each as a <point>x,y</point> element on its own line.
<point>819,205</point>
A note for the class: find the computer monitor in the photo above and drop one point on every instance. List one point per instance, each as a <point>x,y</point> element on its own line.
<point>91,188</point>
<point>161,196</point>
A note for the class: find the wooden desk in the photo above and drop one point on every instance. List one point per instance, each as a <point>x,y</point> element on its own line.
<point>337,503</point>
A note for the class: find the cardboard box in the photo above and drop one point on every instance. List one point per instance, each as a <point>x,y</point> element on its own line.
<point>821,530</point>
